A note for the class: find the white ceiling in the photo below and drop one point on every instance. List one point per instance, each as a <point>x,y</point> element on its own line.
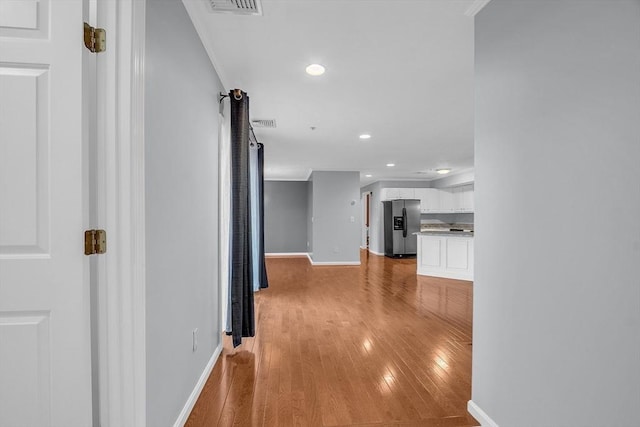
<point>400,70</point>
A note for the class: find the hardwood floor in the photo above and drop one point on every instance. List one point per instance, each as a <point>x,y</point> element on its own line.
<point>373,345</point>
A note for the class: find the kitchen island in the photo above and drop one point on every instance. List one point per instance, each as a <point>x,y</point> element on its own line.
<point>446,254</point>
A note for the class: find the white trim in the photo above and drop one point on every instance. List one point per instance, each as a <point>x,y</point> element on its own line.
<point>309,174</point>
<point>122,303</point>
<point>287,179</point>
<point>476,7</point>
<point>137,285</point>
<point>480,415</point>
<point>376,253</point>
<point>336,263</point>
<point>195,393</point>
<point>446,274</point>
<point>286,254</point>
<point>329,263</point>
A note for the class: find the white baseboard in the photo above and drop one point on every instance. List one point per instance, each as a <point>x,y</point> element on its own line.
<point>334,263</point>
<point>376,253</point>
<point>446,274</point>
<point>285,254</point>
<point>480,415</point>
<point>188,406</point>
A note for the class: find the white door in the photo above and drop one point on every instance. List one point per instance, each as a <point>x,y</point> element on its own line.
<point>45,375</point>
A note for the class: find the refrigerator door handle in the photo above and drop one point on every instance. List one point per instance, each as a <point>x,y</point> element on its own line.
<point>404,222</point>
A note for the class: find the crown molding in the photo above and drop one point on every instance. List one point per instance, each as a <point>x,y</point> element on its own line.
<point>476,7</point>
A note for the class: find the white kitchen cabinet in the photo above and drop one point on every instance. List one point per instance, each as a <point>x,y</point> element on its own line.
<point>406,193</point>
<point>434,200</point>
<point>468,198</point>
<point>389,194</point>
<point>420,195</point>
<point>448,256</point>
<point>429,199</point>
<point>463,198</point>
<point>447,201</point>
<point>397,193</point>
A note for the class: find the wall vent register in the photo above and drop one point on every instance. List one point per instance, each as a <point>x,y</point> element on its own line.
<point>263,123</point>
<point>238,7</point>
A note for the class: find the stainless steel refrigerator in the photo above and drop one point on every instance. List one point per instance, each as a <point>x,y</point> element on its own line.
<point>401,221</point>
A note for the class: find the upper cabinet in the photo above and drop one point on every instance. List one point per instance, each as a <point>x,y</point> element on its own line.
<point>463,198</point>
<point>457,199</point>
<point>389,194</point>
<point>429,199</point>
<point>407,193</point>
<point>435,200</point>
<point>398,193</point>
<point>447,200</point>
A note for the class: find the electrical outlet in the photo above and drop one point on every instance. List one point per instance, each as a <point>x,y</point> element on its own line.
<point>352,218</point>
<point>195,339</point>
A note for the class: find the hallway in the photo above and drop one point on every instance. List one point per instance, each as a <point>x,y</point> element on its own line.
<point>373,345</point>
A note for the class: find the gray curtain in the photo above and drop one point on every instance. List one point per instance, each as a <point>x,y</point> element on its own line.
<point>254,188</point>
<point>262,268</point>
<point>242,310</point>
<point>256,162</point>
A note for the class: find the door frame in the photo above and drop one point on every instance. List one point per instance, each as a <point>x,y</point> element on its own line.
<point>365,204</point>
<point>121,201</point>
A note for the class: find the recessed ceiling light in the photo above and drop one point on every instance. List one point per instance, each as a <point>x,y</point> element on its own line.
<point>368,175</point>
<point>390,165</point>
<point>443,171</point>
<point>315,70</point>
<point>365,136</point>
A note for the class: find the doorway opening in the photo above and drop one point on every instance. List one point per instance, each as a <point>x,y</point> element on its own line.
<point>366,213</point>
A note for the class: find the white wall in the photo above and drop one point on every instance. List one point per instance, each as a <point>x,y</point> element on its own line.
<point>181,155</point>
<point>557,303</point>
<point>336,199</point>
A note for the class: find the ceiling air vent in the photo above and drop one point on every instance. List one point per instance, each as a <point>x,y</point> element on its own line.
<point>237,7</point>
<point>263,123</point>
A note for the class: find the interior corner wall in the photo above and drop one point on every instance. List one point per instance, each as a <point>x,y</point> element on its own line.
<point>336,217</point>
<point>285,216</point>
<point>557,304</point>
<point>181,174</point>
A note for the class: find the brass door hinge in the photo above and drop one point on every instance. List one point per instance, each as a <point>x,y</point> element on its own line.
<point>95,242</point>
<point>95,39</point>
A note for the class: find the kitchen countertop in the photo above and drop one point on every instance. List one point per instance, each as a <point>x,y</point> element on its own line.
<point>445,233</point>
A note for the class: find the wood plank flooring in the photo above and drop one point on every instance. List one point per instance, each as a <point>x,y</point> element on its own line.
<point>374,345</point>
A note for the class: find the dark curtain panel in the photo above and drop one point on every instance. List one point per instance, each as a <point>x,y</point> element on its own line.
<point>242,314</point>
<point>264,282</point>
